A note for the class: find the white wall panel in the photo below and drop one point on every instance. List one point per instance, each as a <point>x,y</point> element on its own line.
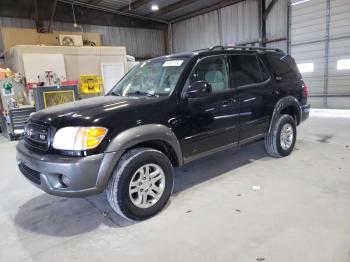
<point>309,21</point>
<point>339,48</point>
<point>277,23</point>
<point>340,18</point>
<point>312,53</point>
<point>197,32</point>
<point>339,80</point>
<point>240,22</point>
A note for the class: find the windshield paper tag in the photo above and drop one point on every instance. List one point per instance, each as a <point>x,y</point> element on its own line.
<point>173,63</point>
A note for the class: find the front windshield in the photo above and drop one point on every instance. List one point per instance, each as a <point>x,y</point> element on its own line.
<point>152,78</point>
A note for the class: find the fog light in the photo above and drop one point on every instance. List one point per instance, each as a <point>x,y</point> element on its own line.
<point>64,180</point>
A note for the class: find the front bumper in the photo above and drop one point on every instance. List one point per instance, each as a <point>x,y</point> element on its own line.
<point>87,175</point>
<point>305,112</point>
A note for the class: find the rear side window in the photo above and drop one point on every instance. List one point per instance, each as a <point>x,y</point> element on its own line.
<point>246,70</point>
<point>282,65</point>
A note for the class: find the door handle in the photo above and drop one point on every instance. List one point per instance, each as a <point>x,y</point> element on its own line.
<point>276,92</point>
<point>229,102</point>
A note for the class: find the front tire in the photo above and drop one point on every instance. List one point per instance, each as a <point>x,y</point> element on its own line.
<point>280,141</point>
<point>141,184</point>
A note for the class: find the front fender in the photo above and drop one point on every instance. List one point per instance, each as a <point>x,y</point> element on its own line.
<point>136,135</point>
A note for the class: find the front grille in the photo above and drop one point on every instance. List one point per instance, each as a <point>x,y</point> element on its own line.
<point>36,137</point>
<point>29,173</point>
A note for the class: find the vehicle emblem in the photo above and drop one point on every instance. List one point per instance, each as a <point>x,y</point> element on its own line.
<point>29,132</point>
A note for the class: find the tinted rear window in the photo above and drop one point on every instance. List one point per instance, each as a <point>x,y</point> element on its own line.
<point>246,70</point>
<point>282,65</point>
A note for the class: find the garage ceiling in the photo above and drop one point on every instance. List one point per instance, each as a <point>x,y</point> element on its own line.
<point>168,9</point>
<point>118,13</point>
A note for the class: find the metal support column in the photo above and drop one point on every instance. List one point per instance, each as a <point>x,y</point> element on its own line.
<point>289,26</point>
<point>326,66</point>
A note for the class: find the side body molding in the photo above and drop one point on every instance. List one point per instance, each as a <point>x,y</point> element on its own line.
<point>144,133</point>
<point>283,103</point>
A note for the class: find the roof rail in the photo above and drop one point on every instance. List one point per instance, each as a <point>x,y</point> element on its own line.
<point>251,48</point>
<point>254,48</point>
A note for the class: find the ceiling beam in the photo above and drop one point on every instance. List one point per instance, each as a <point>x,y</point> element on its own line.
<point>133,5</point>
<point>53,11</point>
<point>269,8</point>
<point>93,2</point>
<point>39,23</point>
<point>170,8</point>
<point>211,8</point>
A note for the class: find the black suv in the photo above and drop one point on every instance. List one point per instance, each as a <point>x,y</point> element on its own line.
<point>164,113</point>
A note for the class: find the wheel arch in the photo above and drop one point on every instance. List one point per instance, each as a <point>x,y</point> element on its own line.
<point>155,136</point>
<point>287,105</point>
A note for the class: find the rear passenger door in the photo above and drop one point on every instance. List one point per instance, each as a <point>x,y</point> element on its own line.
<point>255,93</point>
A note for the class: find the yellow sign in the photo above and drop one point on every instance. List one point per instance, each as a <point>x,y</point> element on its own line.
<point>90,84</point>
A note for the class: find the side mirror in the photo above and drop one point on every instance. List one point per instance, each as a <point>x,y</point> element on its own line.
<point>198,89</point>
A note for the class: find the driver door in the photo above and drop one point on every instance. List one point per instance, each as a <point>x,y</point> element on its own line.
<point>211,122</point>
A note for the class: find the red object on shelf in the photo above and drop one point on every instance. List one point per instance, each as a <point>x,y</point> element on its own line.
<point>70,83</point>
<point>31,86</point>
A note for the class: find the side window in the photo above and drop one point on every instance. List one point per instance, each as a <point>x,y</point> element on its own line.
<point>264,73</point>
<point>283,66</point>
<point>246,70</point>
<point>214,70</point>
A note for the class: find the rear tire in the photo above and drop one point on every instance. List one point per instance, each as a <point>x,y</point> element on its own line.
<point>141,184</point>
<point>280,141</point>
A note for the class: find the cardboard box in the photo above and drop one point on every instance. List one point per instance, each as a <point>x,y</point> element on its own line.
<point>12,36</point>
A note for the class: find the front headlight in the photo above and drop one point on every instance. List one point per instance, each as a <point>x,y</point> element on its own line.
<point>79,138</point>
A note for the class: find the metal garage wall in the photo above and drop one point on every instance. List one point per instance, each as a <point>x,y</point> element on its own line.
<point>320,34</point>
<point>237,23</point>
<point>240,22</point>
<point>339,48</point>
<point>277,25</point>
<point>195,33</point>
<point>139,42</point>
<point>308,32</point>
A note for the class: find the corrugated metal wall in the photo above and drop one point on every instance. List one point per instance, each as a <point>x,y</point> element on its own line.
<point>233,24</point>
<point>277,24</point>
<point>320,34</point>
<point>195,33</point>
<point>139,42</point>
<point>339,48</point>
<point>240,22</point>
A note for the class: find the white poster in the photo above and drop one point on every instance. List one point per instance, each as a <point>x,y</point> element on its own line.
<point>35,65</point>
<point>111,74</point>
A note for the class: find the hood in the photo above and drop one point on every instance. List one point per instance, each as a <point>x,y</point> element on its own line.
<point>92,111</point>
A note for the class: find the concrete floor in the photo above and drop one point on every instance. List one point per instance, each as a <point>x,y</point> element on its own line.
<point>300,213</point>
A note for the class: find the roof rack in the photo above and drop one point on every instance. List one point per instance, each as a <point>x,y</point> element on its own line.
<point>251,48</point>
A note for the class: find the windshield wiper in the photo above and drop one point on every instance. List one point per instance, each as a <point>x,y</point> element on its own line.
<point>114,93</point>
<point>139,92</point>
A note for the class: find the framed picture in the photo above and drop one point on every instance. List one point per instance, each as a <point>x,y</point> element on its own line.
<point>54,98</point>
<point>47,96</point>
